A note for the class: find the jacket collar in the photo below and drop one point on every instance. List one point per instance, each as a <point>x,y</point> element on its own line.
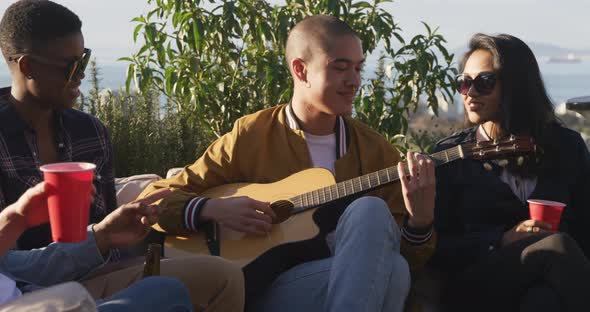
<point>340,129</point>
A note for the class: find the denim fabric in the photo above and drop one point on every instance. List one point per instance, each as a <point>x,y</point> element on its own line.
<point>158,294</point>
<point>54,264</point>
<point>365,273</point>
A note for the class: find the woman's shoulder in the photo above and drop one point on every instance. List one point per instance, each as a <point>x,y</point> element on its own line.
<point>463,136</point>
<point>566,137</point>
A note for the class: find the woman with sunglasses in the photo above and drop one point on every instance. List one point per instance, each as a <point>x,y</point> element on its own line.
<point>494,257</point>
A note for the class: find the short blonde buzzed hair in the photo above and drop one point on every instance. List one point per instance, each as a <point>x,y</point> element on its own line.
<point>314,33</point>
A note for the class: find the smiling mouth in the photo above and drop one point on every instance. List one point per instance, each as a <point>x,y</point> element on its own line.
<point>475,106</point>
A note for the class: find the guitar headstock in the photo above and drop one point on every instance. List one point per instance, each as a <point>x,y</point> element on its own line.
<point>508,147</point>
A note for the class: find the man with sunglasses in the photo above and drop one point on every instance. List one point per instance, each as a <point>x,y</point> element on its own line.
<point>45,52</point>
<point>43,46</point>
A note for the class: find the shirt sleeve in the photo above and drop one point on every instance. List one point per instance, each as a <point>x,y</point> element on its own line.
<point>107,173</point>
<point>2,198</point>
<point>56,263</point>
<point>577,216</point>
<point>455,247</point>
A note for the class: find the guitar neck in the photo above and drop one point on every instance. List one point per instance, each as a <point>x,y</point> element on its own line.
<point>365,182</point>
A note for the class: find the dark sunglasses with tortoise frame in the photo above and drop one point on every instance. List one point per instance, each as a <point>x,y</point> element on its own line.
<point>72,69</point>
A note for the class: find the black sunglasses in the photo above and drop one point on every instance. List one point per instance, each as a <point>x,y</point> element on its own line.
<point>78,66</point>
<point>73,69</point>
<point>484,83</point>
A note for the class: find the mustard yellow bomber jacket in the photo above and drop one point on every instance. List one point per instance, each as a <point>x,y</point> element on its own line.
<point>262,148</point>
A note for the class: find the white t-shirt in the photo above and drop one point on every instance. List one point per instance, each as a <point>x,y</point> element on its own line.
<point>322,149</point>
<point>8,289</point>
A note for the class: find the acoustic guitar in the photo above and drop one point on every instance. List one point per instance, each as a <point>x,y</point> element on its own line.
<point>308,205</point>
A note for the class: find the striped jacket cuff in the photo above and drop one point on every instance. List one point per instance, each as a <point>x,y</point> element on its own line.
<point>416,236</point>
<point>192,211</point>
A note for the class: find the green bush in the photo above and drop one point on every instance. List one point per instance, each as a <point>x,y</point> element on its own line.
<point>148,136</point>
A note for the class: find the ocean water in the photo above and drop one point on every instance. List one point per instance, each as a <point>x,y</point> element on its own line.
<point>562,80</point>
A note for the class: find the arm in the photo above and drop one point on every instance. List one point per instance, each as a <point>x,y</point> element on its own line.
<point>214,168</point>
<point>577,217</point>
<point>60,262</point>
<point>456,248</point>
<point>50,265</point>
<point>458,245</point>
<point>417,248</point>
<point>107,174</point>
<point>56,263</point>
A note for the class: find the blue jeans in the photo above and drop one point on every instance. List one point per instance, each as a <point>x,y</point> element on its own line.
<point>161,294</point>
<point>365,273</point>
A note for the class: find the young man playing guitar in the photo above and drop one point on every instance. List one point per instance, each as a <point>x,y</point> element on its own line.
<point>365,268</point>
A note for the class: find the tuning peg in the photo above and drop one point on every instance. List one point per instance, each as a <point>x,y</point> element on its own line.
<point>487,166</point>
<point>520,161</point>
<point>503,162</point>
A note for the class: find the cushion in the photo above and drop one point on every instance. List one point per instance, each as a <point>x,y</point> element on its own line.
<point>129,188</point>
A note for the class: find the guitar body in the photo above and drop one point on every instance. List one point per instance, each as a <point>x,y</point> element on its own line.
<point>244,248</point>
<point>296,240</point>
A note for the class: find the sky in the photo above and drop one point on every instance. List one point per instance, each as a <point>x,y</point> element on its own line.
<point>108,30</point>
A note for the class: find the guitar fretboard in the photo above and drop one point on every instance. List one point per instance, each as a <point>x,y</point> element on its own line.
<point>364,183</point>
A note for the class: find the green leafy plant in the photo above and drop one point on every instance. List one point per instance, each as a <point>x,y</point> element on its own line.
<point>148,135</point>
<point>215,62</point>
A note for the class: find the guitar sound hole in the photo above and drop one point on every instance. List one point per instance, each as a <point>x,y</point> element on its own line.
<point>283,210</point>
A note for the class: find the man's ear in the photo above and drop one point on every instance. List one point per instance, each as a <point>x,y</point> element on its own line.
<point>24,66</point>
<point>299,69</point>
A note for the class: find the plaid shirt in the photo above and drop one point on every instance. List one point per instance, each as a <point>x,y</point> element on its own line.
<point>79,137</point>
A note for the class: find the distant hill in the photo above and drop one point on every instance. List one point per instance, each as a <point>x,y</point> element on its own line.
<point>541,50</point>
<point>546,49</point>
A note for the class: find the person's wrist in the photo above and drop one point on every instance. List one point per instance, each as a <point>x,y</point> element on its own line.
<point>420,223</point>
<point>18,222</point>
<point>101,238</point>
<point>208,210</point>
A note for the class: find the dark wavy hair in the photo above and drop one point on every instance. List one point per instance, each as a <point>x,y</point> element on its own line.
<point>525,107</point>
<point>27,25</point>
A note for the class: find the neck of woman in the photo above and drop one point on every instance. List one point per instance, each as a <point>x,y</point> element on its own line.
<point>493,129</point>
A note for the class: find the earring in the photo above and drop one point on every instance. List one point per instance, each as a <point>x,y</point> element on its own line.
<point>307,84</point>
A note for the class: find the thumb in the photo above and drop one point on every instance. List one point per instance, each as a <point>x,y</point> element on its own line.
<point>33,193</point>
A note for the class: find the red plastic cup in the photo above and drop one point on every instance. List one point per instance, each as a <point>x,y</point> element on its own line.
<point>69,186</point>
<point>546,211</point>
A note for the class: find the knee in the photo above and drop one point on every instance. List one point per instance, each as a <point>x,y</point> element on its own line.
<point>400,279</point>
<point>370,210</point>
<point>225,274</point>
<point>555,247</point>
<point>234,276</point>
<point>561,241</point>
<point>171,289</point>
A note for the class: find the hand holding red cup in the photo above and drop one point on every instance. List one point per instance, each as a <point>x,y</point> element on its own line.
<point>546,211</point>
<point>68,186</point>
